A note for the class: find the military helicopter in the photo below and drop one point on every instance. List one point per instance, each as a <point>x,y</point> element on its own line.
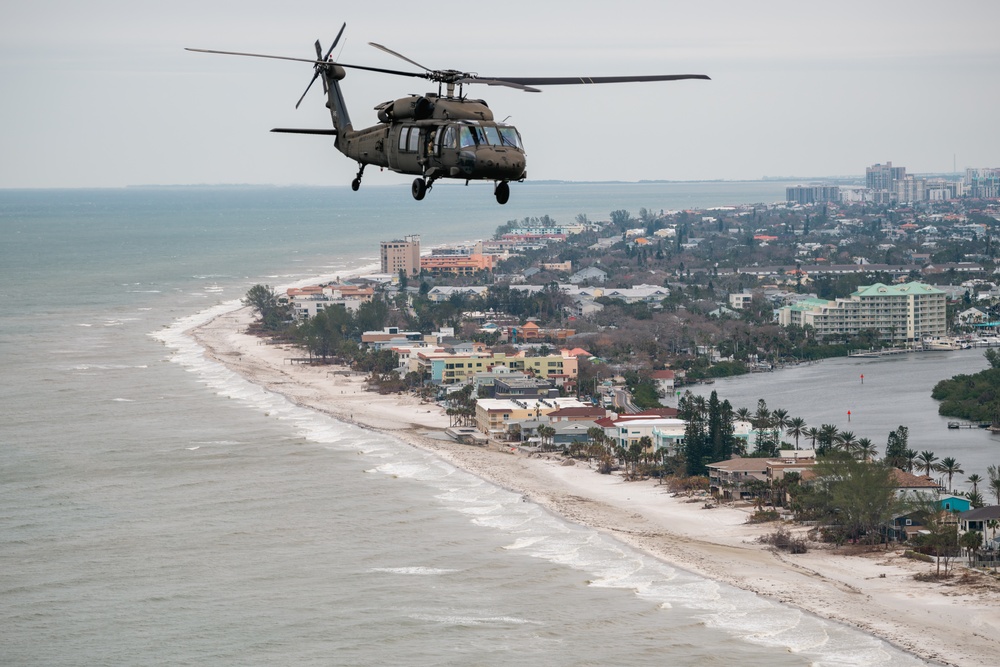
<point>435,135</point>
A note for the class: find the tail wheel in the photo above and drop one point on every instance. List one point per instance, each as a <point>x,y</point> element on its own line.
<point>419,188</point>
<point>502,192</point>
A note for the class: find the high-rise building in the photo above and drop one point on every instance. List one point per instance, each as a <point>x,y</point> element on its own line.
<point>900,313</point>
<point>401,255</point>
<point>811,194</point>
<point>883,176</point>
<point>982,183</point>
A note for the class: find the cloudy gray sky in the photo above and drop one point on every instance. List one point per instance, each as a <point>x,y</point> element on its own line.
<point>101,93</point>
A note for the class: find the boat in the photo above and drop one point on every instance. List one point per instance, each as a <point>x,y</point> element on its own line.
<point>941,344</point>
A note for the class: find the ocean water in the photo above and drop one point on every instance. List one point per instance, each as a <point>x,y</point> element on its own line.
<point>156,509</point>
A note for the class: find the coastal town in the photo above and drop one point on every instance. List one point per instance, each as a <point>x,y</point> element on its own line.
<point>580,337</point>
<point>574,346</point>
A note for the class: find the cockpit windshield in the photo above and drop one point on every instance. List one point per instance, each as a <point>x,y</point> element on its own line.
<point>478,135</point>
<point>509,137</point>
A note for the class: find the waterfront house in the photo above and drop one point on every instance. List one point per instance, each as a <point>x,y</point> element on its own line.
<point>982,519</point>
<point>729,479</point>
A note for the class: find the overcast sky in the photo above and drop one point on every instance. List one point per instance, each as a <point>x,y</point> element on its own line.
<point>101,93</point>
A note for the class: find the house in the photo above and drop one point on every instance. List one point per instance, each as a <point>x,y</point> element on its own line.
<point>729,479</point>
<point>971,316</point>
<point>982,519</point>
<point>494,416</point>
<point>664,382</point>
<point>908,484</point>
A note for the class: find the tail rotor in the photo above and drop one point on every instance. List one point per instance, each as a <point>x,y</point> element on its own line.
<point>317,67</point>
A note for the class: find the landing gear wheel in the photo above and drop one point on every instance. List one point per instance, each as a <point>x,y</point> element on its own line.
<point>502,192</point>
<point>419,188</point>
<point>356,183</point>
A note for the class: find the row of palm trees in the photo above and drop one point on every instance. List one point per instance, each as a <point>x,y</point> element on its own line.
<point>828,437</point>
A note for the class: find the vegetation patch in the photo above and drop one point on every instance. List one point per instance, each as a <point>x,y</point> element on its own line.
<point>784,540</point>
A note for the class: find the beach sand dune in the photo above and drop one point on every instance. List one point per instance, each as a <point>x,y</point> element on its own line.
<point>955,623</point>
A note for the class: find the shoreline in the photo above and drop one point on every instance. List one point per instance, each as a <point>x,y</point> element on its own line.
<point>950,623</point>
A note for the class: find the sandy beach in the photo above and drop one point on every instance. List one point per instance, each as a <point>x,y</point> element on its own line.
<point>954,623</point>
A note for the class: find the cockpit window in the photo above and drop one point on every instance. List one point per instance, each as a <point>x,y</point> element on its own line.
<point>492,135</point>
<point>509,137</point>
<point>465,137</point>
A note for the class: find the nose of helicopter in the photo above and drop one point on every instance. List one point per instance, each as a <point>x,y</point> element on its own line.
<point>505,163</point>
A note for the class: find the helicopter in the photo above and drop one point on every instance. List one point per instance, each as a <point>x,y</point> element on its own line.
<point>435,135</point>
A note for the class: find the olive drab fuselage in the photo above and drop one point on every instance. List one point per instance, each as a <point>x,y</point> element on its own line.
<point>437,137</point>
<point>433,136</point>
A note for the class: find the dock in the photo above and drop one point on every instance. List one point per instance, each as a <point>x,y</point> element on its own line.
<point>885,352</point>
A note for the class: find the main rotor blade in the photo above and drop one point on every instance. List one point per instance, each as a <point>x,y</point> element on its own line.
<point>419,75</point>
<point>398,55</point>
<point>573,80</point>
<point>499,82</point>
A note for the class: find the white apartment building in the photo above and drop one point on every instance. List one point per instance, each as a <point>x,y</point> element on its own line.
<point>900,313</point>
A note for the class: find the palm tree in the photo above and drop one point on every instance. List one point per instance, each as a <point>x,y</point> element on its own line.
<point>813,434</point>
<point>995,488</point>
<point>796,429</point>
<point>827,434</point>
<point>846,441</point>
<point>910,455</point>
<point>925,462</point>
<point>866,449</point>
<point>743,414</point>
<point>975,499</point>
<point>779,418</point>
<point>974,479</point>
<point>949,466</point>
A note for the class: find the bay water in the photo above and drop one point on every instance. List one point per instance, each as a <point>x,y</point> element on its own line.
<point>156,509</point>
<point>871,397</point>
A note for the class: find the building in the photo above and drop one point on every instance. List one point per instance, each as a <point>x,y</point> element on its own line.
<point>494,417</point>
<point>982,183</point>
<point>402,256</point>
<point>811,194</point>
<point>448,368</point>
<point>457,265</point>
<point>664,382</point>
<point>906,313</point>
<point>306,302</point>
<point>883,177</point>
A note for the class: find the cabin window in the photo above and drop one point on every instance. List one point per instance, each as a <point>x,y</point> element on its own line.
<point>409,139</point>
<point>509,137</point>
<point>448,138</point>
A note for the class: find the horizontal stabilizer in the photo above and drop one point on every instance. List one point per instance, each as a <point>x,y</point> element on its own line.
<point>292,130</point>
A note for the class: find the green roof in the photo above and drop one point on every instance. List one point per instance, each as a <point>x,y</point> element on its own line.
<point>878,289</point>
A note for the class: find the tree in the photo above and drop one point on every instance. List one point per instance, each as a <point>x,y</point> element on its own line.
<point>974,479</point>
<point>796,429</point>
<point>865,449</point>
<point>950,467</point>
<point>896,446</point>
<point>827,436</point>
<point>813,434</point>
<point>925,462</point>
<point>971,541</point>
<point>857,497</point>
<point>846,442</point>
<point>264,300</point>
